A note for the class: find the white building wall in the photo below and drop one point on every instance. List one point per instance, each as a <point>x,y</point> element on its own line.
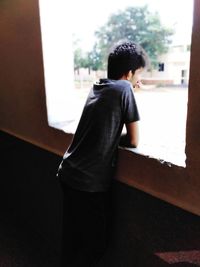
<point>176,61</point>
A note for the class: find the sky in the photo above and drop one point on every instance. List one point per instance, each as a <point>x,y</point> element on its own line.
<point>91,14</point>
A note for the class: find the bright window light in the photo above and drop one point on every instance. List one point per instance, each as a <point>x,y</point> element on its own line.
<point>58,60</point>
<point>163,99</point>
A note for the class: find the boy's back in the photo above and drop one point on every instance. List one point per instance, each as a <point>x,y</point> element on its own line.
<point>92,153</point>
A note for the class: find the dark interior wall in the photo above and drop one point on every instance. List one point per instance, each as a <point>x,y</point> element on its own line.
<point>21,67</point>
<point>29,189</point>
<point>22,102</point>
<point>193,122</point>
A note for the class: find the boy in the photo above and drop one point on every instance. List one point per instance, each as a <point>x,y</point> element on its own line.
<point>88,165</point>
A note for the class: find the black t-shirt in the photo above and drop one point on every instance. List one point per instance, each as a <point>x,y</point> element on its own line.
<point>89,162</point>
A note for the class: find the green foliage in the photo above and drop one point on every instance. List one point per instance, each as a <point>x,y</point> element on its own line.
<point>84,60</point>
<point>78,59</point>
<point>136,24</point>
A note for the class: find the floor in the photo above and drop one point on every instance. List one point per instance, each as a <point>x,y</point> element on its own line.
<point>20,246</point>
<point>152,233</point>
<point>157,243</point>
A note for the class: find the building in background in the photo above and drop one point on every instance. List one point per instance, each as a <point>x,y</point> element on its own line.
<point>173,67</point>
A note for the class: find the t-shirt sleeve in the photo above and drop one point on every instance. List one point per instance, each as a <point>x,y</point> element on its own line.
<point>129,106</point>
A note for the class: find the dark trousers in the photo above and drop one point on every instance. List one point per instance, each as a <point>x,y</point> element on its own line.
<point>86,226</point>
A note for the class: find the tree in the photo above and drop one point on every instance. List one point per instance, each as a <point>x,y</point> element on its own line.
<point>78,53</point>
<point>84,59</point>
<point>78,59</point>
<point>133,24</point>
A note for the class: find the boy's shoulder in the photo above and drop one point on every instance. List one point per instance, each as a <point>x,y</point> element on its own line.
<point>120,84</point>
<point>123,83</point>
<point>123,86</point>
<point>114,86</point>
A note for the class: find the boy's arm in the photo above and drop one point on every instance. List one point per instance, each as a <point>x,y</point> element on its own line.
<point>131,138</point>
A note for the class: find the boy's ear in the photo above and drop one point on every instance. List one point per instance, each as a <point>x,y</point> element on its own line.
<point>130,74</point>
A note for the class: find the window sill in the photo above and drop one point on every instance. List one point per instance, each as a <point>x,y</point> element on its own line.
<point>163,153</point>
<point>162,134</point>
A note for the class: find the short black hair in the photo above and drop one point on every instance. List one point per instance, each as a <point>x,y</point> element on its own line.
<point>125,57</point>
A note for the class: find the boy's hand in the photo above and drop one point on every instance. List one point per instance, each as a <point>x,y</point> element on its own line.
<point>138,84</point>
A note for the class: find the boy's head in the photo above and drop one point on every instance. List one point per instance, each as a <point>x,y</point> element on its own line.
<point>126,58</point>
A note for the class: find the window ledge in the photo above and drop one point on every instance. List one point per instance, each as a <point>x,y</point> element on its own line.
<point>161,153</point>
<point>164,153</point>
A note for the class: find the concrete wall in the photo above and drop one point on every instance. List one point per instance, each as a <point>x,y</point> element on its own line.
<point>23,108</point>
<point>22,100</point>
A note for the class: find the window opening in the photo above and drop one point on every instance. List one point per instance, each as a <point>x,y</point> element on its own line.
<point>161,66</point>
<point>78,38</point>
